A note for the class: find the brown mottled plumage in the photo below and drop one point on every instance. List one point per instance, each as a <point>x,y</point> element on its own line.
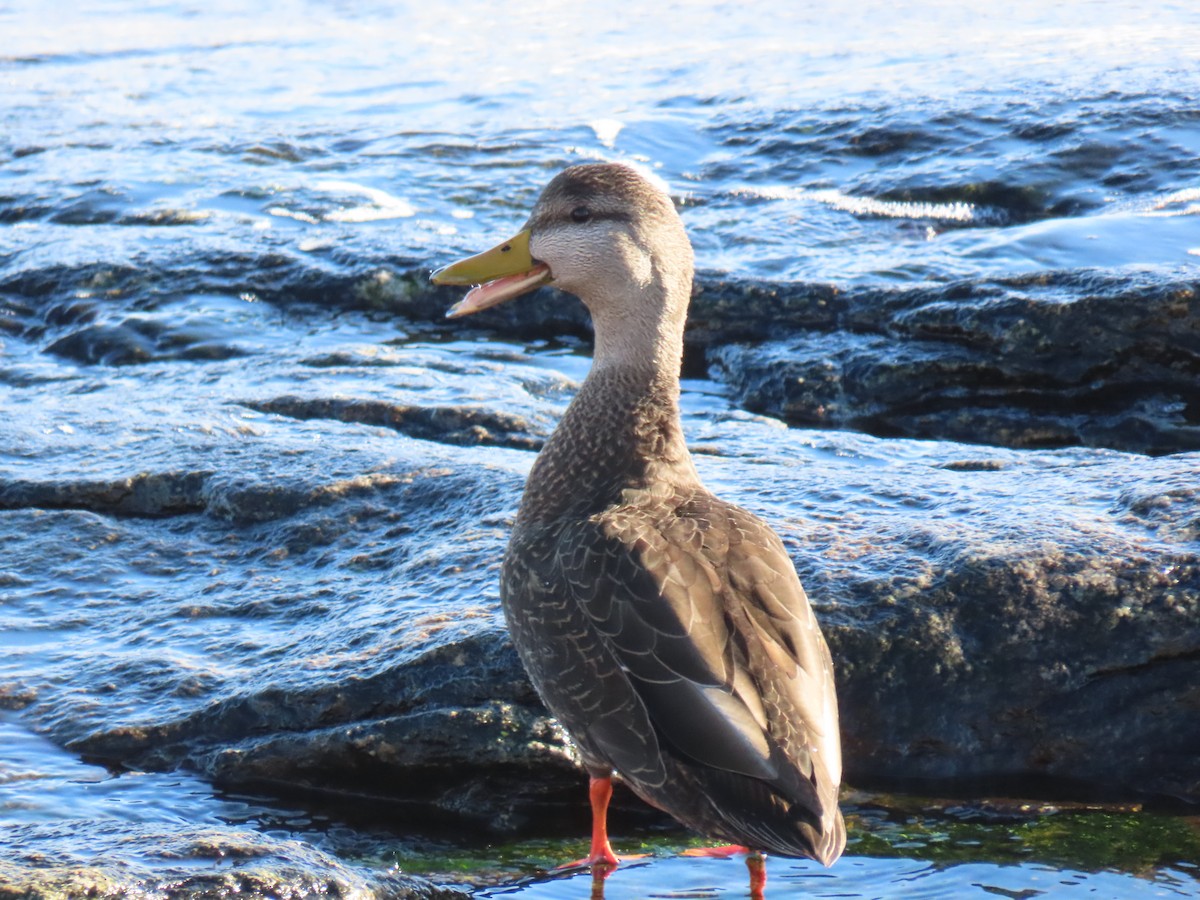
<point>665,628</point>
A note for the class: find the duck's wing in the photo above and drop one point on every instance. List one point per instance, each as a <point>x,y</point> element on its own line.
<point>702,607</point>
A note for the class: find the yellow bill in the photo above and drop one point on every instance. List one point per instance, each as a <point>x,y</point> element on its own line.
<point>502,273</point>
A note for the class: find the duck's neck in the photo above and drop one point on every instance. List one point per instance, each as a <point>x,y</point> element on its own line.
<point>622,431</point>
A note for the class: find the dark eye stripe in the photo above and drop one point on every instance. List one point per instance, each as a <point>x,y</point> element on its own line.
<point>582,214</point>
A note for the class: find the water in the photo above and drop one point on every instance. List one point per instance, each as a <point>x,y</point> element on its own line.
<point>196,202</point>
<point>884,143</point>
<point>924,851</point>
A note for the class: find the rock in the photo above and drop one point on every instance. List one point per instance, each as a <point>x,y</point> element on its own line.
<point>71,829</point>
<point>144,494</point>
<point>450,424</point>
<point>427,734</point>
<point>976,635</point>
<point>1049,360</point>
<point>1054,661</point>
<point>1021,363</point>
<point>141,339</point>
<point>189,863</point>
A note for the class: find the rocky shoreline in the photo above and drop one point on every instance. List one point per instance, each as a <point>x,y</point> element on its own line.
<point>1056,359</point>
<point>1021,608</point>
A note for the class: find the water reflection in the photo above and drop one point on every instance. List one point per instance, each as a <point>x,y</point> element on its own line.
<point>852,878</point>
<point>756,874</point>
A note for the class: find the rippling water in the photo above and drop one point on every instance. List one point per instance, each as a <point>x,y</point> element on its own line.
<point>160,164</point>
<point>923,856</point>
<point>886,142</point>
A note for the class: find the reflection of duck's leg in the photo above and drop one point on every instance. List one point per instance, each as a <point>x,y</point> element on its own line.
<point>757,864</point>
<point>722,852</point>
<point>599,873</point>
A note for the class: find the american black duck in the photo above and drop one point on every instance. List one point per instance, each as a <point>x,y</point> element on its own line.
<point>665,628</point>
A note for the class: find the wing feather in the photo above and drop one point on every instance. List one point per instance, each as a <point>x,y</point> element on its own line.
<point>702,607</point>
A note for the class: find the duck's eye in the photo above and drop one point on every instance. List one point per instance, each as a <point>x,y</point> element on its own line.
<point>581,214</point>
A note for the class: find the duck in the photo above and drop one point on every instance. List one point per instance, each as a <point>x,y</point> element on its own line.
<point>664,628</point>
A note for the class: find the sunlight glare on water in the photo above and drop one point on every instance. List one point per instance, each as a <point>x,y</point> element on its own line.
<point>413,103</point>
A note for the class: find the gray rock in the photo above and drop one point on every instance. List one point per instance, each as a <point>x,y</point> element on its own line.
<point>76,830</point>
<point>983,609</point>
<point>1055,359</point>
<point>1034,362</point>
<point>448,424</point>
<point>1051,359</point>
<point>454,734</point>
<point>187,864</point>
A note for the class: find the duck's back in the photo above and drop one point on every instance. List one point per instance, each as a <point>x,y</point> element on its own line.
<point>669,634</point>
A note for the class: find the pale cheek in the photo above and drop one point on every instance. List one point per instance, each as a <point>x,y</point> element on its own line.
<point>577,260</point>
<point>569,259</point>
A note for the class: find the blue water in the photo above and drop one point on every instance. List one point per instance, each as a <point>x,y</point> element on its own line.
<point>860,877</point>
<point>161,164</point>
<point>42,785</point>
<point>881,143</point>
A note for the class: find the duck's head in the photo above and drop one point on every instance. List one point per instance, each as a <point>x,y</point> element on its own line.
<point>603,232</point>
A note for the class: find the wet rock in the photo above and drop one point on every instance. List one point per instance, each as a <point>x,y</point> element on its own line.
<point>24,208</point>
<point>1054,359</point>
<point>993,202</point>
<point>144,494</point>
<point>1023,665</point>
<point>456,733</point>
<point>112,345</point>
<point>997,615</point>
<point>93,207</point>
<point>449,424</point>
<point>185,863</point>
<point>164,217</point>
<point>141,340</point>
<point>1025,363</point>
<point>492,767</point>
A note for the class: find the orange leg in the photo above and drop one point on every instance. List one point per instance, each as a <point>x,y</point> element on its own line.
<point>600,792</point>
<point>601,857</point>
